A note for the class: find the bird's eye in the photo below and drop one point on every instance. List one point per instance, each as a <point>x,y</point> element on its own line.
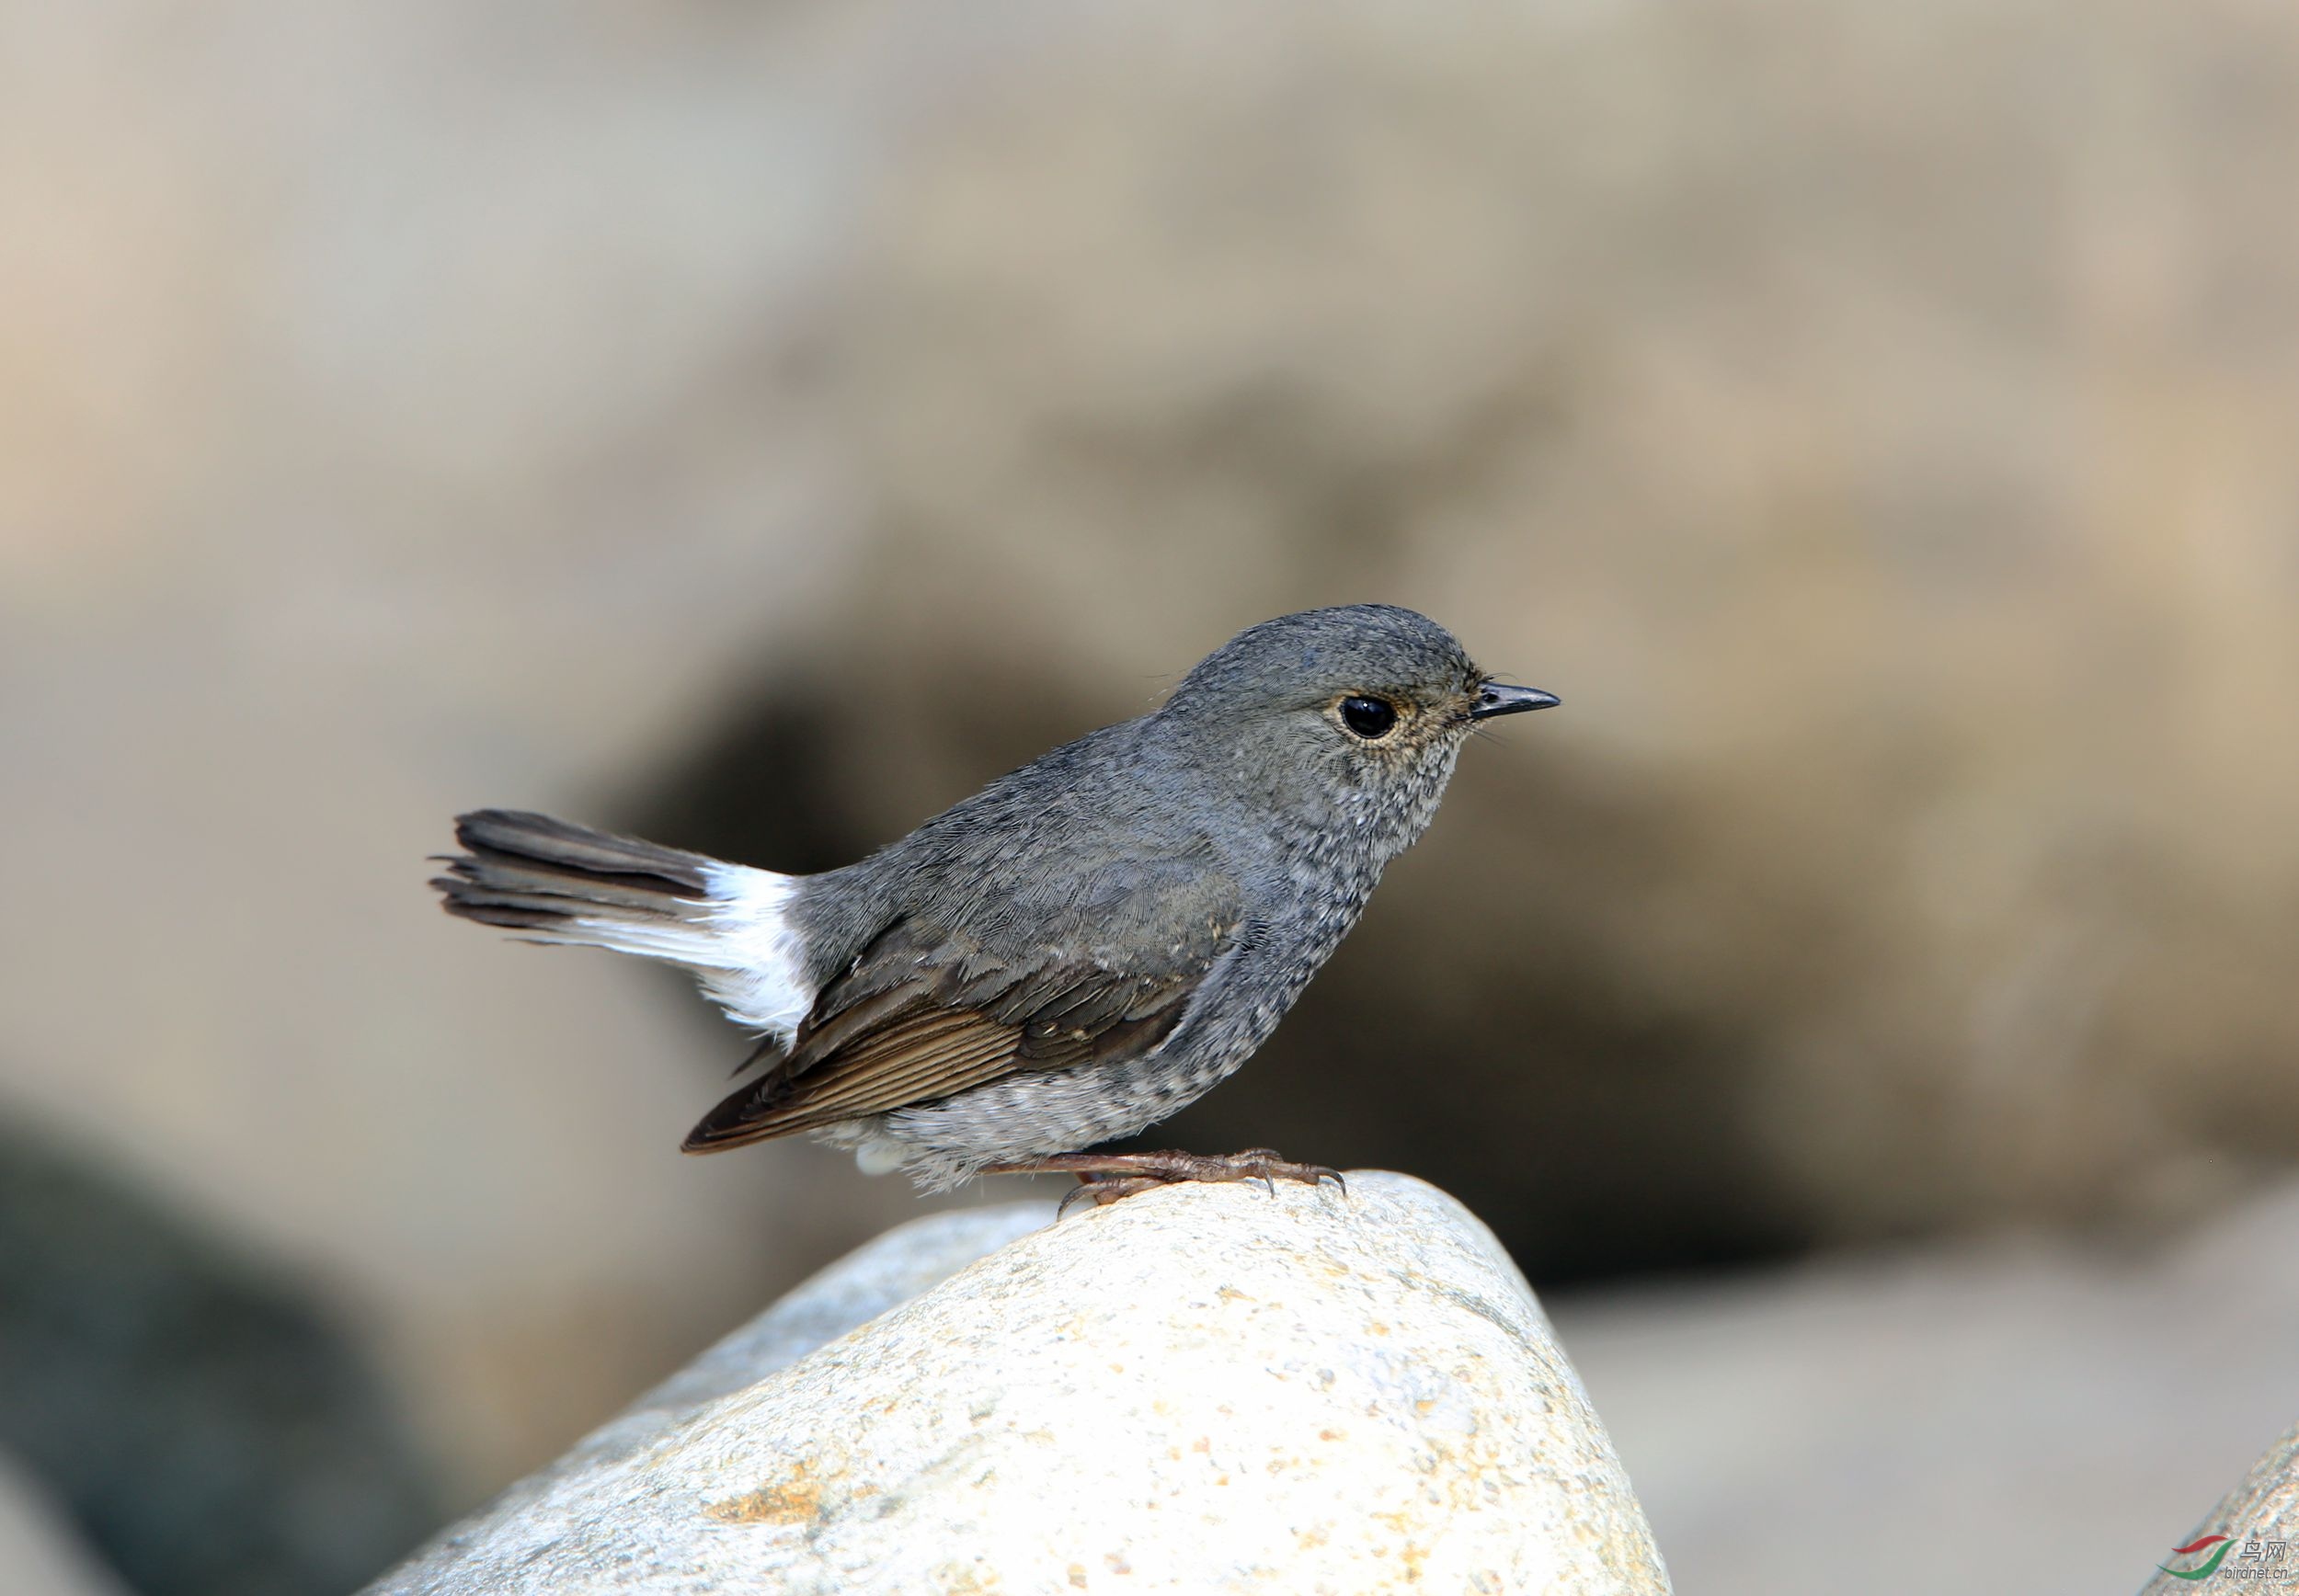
<point>1368,717</point>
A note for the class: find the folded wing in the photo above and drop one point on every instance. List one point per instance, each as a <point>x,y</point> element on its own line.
<point>925,1012</point>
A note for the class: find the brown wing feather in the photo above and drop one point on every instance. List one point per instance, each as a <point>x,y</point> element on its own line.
<point>921,1017</point>
<point>927,1054</point>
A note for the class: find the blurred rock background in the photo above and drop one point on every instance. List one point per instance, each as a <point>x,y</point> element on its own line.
<point>758,424</point>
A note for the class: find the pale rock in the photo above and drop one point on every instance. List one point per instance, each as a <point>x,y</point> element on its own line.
<point>2259,1521</point>
<point>1209,1389</point>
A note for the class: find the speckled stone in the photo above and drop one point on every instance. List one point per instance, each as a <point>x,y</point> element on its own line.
<point>2259,1519</point>
<point>1205,1389</point>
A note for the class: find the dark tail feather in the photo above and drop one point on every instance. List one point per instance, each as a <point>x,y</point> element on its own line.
<point>531,873</point>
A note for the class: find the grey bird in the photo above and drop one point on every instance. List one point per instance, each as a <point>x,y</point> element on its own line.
<point>1072,955</point>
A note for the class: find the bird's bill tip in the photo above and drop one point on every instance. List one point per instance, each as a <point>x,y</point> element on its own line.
<point>1496,698</point>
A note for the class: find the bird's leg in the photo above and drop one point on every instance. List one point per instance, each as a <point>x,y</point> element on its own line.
<point>1107,1178</point>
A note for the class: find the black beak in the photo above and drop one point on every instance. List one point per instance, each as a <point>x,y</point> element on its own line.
<point>1498,699</point>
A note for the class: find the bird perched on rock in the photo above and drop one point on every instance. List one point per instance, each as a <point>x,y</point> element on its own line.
<point>1072,955</point>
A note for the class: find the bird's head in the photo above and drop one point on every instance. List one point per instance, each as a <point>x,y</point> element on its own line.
<point>1345,720</point>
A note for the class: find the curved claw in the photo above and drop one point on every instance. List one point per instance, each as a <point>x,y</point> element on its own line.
<point>1104,1190</point>
<point>1265,1164</point>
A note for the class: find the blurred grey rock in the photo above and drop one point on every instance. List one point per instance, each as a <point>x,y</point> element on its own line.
<point>1208,1388</point>
<point>2025,1414</point>
<point>207,1428</point>
<point>41,1551</point>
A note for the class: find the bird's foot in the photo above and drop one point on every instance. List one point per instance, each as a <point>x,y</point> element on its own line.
<point>1107,1178</point>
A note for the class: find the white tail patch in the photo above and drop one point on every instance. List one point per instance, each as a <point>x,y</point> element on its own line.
<point>742,946</point>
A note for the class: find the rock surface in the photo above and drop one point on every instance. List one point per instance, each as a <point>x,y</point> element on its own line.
<point>1208,1388</point>
<point>2259,1519</point>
